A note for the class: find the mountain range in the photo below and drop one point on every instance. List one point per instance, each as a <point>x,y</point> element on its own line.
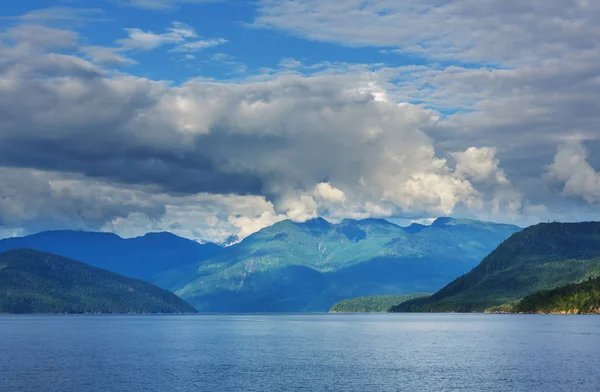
<point>140,258</point>
<point>289,266</point>
<point>309,266</point>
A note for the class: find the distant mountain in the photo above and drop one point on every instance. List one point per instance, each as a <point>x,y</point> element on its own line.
<point>575,298</point>
<point>540,257</point>
<point>312,265</point>
<point>141,257</point>
<point>38,282</point>
<point>376,303</point>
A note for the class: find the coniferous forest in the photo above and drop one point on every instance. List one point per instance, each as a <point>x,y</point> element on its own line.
<point>38,282</point>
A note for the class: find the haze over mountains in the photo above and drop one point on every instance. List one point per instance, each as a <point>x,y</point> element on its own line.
<point>289,266</point>
<point>141,257</point>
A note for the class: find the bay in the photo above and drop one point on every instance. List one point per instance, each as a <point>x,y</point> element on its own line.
<point>300,352</point>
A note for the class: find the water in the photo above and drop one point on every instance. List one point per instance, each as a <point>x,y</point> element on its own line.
<point>409,352</point>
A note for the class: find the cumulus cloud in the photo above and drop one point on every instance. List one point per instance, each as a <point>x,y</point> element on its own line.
<point>208,159</point>
<point>277,138</point>
<point>572,168</point>
<point>325,191</point>
<point>479,164</point>
<point>41,200</point>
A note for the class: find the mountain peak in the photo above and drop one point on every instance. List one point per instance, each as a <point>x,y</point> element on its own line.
<point>376,221</point>
<point>316,225</point>
<point>415,228</point>
<point>443,221</point>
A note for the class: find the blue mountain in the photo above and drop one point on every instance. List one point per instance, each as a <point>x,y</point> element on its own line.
<point>141,257</point>
<point>310,266</point>
<point>289,266</point>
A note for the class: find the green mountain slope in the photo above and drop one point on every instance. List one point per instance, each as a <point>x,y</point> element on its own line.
<point>576,298</point>
<point>38,282</point>
<point>377,303</point>
<point>540,257</point>
<point>312,265</point>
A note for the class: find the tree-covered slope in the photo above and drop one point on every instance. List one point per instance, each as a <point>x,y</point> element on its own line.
<point>38,282</point>
<point>575,298</point>
<point>142,257</point>
<point>312,265</point>
<point>376,303</point>
<point>540,257</point>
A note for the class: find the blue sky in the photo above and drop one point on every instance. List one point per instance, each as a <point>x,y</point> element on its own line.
<point>218,118</point>
<point>247,46</point>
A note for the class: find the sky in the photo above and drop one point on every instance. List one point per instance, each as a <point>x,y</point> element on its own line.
<point>214,119</point>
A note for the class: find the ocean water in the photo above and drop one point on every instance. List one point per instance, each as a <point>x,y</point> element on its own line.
<point>341,352</point>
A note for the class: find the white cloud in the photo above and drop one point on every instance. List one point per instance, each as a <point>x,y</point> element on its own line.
<point>146,40</point>
<point>326,192</point>
<point>182,37</point>
<point>207,159</point>
<point>196,46</point>
<point>161,5</point>
<point>572,168</point>
<point>106,56</point>
<point>472,30</point>
<point>61,14</point>
<point>479,164</point>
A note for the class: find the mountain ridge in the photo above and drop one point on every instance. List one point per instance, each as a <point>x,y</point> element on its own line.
<point>349,259</point>
<point>289,266</point>
<point>540,257</point>
<point>140,257</point>
<point>32,281</point>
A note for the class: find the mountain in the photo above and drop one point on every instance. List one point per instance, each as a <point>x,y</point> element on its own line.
<point>575,298</point>
<point>310,266</point>
<point>540,257</point>
<point>141,257</point>
<point>38,282</point>
<point>376,303</point>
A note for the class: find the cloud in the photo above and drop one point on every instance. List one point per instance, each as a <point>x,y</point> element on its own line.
<point>469,30</point>
<point>180,35</point>
<point>146,40</point>
<point>479,164</point>
<point>210,159</point>
<point>41,200</point>
<point>572,169</point>
<point>196,46</point>
<point>106,56</point>
<point>326,192</point>
<point>160,5</point>
<point>32,37</point>
<point>60,14</point>
<point>246,138</point>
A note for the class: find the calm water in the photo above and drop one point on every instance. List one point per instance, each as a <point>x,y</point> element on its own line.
<point>300,353</point>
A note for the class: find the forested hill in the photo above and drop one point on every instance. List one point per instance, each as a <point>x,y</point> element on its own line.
<point>541,257</point>
<point>376,303</point>
<point>576,298</point>
<point>38,282</point>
